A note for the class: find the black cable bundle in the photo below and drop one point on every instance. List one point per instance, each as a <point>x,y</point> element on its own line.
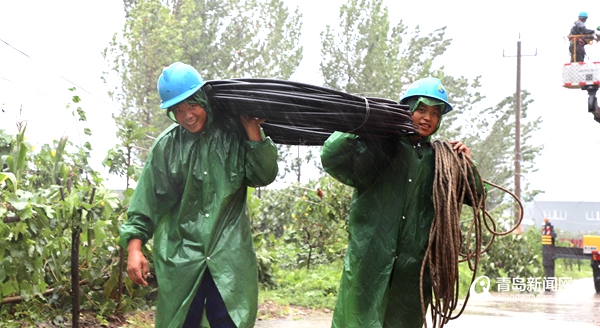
<point>304,114</point>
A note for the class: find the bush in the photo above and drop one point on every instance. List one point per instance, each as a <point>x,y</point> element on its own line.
<point>305,224</point>
<point>54,207</point>
<point>315,289</point>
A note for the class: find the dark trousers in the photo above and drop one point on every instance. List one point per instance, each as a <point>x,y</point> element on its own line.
<point>579,52</point>
<point>208,295</point>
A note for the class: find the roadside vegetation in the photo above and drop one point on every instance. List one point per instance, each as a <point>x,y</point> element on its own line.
<point>59,224</point>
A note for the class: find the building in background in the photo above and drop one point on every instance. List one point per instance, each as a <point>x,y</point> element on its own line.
<point>578,218</point>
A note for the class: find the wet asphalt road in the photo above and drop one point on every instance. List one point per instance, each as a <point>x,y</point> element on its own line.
<point>577,306</point>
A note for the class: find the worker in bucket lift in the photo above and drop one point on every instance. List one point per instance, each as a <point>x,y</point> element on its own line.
<point>579,37</point>
<point>191,198</point>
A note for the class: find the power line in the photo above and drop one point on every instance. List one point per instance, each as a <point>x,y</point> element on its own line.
<point>76,121</point>
<point>64,78</point>
<point>39,93</point>
<point>16,49</point>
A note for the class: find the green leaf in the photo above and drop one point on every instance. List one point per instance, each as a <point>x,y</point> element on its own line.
<point>87,132</point>
<point>22,157</point>
<point>81,114</point>
<point>64,171</point>
<point>129,286</point>
<point>17,202</point>
<point>111,284</point>
<point>4,159</point>
<point>9,287</point>
<point>48,210</point>
<point>99,233</point>
<point>11,177</point>
<point>128,192</point>
<point>9,160</point>
<point>67,208</point>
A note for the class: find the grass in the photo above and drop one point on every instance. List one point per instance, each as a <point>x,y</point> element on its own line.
<point>316,288</point>
<point>575,269</point>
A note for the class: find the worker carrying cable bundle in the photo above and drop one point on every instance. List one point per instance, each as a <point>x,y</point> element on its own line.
<point>579,36</point>
<point>303,114</point>
<point>386,280</point>
<point>191,198</point>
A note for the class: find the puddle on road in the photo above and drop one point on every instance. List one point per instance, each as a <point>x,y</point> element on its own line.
<point>578,303</point>
<point>574,307</point>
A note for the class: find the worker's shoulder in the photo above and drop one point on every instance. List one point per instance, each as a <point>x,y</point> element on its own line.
<point>168,135</point>
<point>171,131</point>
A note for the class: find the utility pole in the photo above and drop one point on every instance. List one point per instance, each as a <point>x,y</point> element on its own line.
<point>518,128</point>
<point>518,155</point>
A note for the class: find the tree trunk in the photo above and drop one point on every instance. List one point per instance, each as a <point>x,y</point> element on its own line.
<point>75,274</point>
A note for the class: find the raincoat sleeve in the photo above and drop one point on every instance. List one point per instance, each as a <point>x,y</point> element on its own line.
<point>155,194</point>
<point>355,161</point>
<point>261,162</point>
<point>477,185</point>
<point>580,29</point>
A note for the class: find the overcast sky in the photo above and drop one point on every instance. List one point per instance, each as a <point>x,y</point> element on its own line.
<point>55,44</point>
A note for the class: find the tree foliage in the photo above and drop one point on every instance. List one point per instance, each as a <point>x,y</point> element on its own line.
<point>306,223</point>
<point>367,55</point>
<point>514,256</point>
<point>491,138</point>
<point>222,39</point>
<point>46,199</point>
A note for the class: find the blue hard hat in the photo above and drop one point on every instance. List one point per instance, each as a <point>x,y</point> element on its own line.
<point>428,87</point>
<point>583,14</point>
<point>178,82</point>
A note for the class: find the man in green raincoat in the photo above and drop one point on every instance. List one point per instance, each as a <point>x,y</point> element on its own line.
<point>191,197</point>
<point>390,216</point>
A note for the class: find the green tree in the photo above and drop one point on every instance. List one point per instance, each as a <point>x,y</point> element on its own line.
<point>513,256</point>
<point>369,56</point>
<point>222,39</point>
<point>52,201</point>
<point>121,160</point>
<point>491,140</point>
<point>306,223</point>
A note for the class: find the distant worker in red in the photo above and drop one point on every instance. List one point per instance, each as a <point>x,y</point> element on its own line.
<point>579,37</point>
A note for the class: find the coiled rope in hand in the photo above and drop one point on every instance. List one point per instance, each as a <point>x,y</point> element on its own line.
<point>457,181</point>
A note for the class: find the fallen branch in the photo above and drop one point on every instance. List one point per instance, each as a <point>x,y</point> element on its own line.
<point>18,299</point>
<point>11,219</point>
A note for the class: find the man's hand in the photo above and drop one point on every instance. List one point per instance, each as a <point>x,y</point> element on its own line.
<point>137,265</point>
<point>251,124</point>
<point>460,147</point>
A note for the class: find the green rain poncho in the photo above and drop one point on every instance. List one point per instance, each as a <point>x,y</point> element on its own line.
<point>390,218</point>
<point>191,197</point>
